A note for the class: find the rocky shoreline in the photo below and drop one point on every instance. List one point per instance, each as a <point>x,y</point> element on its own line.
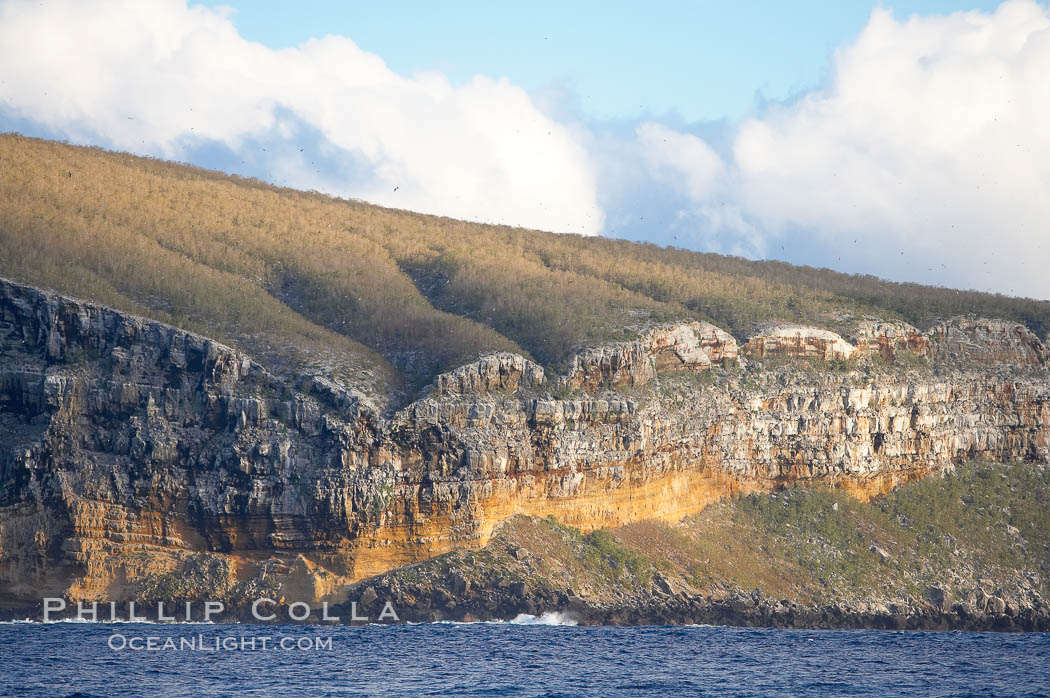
<point>455,600</point>
<point>745,611</point>
<point>739,610</point>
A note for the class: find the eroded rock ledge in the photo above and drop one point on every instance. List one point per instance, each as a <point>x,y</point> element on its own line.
<point>799,340</point>
<point>130,445</point>
<point>693,346</point>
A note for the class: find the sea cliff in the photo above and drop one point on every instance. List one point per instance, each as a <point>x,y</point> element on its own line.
<point>130,447</point>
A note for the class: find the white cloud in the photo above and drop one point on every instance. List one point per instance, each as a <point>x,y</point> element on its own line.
<point>682,158</point>
<point>163,78</point>
<point>930,148</point>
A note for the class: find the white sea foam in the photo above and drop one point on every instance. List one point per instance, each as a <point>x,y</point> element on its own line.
<point>548,618</point>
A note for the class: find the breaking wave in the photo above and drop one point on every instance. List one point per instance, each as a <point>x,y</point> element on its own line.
<point>548,618</point>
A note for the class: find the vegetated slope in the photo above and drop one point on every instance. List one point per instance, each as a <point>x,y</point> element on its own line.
<point>974,534</point>
<point>383,299</point>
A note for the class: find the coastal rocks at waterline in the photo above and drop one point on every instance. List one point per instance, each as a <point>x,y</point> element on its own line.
<point>450,598</point>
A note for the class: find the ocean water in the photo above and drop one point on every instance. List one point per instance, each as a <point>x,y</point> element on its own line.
<point>531,657</point>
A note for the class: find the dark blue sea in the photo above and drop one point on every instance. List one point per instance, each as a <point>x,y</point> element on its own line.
<point>514,659</point>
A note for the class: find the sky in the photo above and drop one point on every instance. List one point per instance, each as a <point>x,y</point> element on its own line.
<point>907,139</point>
<point>694,61</point>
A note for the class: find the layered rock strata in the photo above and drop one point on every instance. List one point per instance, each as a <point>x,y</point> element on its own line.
<point>799,341</point>
<point>886,339</point>
<point>493,372</point>
<point>690,346</point>
<point>128,446</point>
<point>981,341</point>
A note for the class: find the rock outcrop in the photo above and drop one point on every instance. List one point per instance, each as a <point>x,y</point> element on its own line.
<point>501,371</point>
<point>798,341</point>
<point>130,446</point>
<point>886,339</point>
<point>693,346</point>
<point>971,340</point>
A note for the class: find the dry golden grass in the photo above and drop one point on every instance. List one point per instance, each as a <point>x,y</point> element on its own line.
<point>377,297</point>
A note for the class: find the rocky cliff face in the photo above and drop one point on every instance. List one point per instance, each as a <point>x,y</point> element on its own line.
<point>128,446</point>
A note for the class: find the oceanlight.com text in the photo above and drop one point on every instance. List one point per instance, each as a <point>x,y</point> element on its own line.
<point>120,642</point>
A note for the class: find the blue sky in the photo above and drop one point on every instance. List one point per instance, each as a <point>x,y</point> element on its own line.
<point>907,140</point>
<point>693,61</point>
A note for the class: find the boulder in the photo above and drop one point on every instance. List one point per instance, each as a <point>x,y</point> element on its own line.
<point>938,597</point>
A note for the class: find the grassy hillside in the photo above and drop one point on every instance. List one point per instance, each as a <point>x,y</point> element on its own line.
<point>379,298</point>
